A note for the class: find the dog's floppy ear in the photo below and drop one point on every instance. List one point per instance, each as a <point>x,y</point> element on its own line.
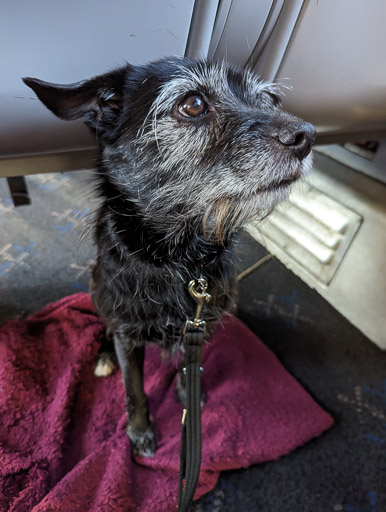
<point>98,100</point>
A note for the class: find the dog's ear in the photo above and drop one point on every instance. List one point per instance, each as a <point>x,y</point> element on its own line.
<point>98,100</point>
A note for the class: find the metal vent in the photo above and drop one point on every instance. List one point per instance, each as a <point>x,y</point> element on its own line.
<point>310,230</point>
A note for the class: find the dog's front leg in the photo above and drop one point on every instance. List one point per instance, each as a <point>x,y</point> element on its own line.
<point>139,429</point>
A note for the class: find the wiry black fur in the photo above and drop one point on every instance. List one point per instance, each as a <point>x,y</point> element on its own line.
<point>173,190</point>
<point>140,279</point>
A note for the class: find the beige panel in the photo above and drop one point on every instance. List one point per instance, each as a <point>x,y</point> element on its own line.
<point>336,63</point>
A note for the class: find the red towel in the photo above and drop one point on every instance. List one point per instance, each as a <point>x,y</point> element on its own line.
<point>63,445</point>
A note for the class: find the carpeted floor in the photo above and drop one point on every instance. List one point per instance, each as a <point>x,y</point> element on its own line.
<point>43,259</point>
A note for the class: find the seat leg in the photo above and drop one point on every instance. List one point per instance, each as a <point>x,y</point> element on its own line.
<point>19,191</point>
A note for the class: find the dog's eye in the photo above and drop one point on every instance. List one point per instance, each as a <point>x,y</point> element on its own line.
<point>193,106</point>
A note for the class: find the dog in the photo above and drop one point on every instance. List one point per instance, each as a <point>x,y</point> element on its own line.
<point>189,151</point>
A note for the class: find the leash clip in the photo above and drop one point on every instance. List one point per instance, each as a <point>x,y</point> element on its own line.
<point>197,289</point>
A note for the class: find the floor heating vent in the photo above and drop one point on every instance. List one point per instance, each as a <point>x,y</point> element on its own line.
<point>309,232</point>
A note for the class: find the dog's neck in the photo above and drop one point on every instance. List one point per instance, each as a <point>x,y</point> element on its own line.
<point>133,234</point>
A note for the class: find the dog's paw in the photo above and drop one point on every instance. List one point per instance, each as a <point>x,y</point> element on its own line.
<point>105,365</point>
<point>142,443</point>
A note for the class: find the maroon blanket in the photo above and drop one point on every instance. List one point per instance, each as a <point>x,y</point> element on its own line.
<point>63,445</point>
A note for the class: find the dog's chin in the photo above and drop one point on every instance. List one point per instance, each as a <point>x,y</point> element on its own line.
<point>280,185</point>
<point>285,183</point>
<point>278,189</point>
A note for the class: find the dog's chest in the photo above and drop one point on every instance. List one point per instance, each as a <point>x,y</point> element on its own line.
<point>152,303</point>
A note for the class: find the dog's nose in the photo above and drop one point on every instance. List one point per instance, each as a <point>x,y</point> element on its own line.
<point>299,138</point>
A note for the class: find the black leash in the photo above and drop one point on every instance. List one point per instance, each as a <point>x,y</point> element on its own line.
<point>190,453</point>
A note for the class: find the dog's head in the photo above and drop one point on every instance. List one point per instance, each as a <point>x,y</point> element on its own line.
<point>189,140</point>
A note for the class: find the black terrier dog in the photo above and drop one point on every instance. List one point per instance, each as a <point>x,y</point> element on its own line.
<point>188,152</point>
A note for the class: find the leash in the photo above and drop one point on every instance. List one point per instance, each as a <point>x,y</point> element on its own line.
<point>190,453</point>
